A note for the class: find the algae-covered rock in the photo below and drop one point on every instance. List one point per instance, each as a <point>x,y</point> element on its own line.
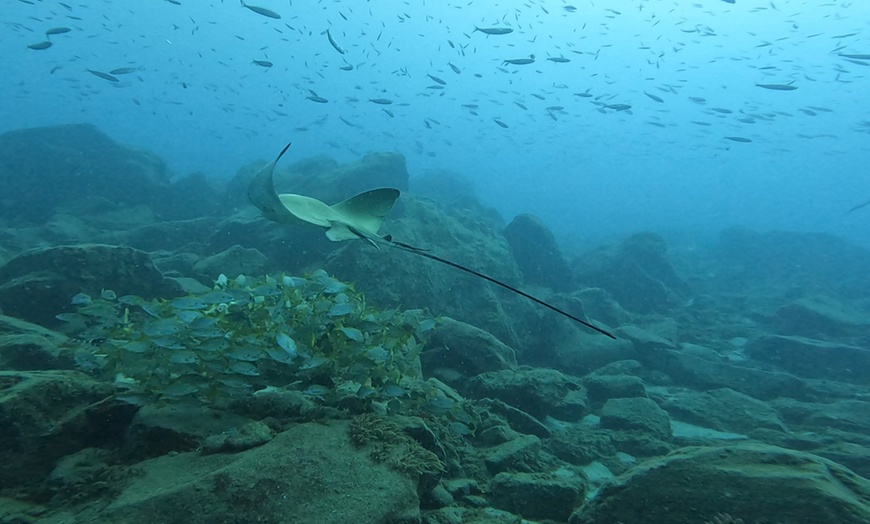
<point>637,273</point>
<point>465,349</point>
<point>536,252</point>
<point>239,439</point>
<point>232,262</point>
<point>45,167</point>
<point>819,316</point>
<point>25,346</point>
<point>724,410</point>
<point>601,387</point>
<point>160,429</point>
<point>705,372</point>
<point>517,419</point>
<point>310,473</point>
<point>45,415</point>
<point>40,283</point>
<point>537,495</point>
<point>519,454</point>
<point>540,392</point>
<point>636,414</point>
<point>749,481</point>
<point>578,352</point>
<point>645,340</point>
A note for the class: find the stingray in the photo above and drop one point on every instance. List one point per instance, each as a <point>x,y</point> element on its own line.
<point>358,217</point>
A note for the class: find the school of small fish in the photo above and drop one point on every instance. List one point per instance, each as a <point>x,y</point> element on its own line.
<point>249,333</point>
<point>504,72</point>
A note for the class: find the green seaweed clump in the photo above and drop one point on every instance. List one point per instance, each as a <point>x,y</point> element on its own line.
<point>315,334</point>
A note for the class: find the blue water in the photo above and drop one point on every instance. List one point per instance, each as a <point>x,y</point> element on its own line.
<point>198,100</point>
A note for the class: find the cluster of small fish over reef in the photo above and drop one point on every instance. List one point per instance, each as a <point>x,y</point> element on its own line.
<point>316,334</point>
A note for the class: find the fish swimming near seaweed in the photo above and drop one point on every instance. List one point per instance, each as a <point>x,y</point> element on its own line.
<point>358,217</point>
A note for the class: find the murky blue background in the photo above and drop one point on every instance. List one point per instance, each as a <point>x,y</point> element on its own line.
<point>198,100</point>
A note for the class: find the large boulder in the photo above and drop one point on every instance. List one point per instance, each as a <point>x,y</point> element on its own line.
<point>310,473</point>
<point>537,496</point>
<point>46,415</point>
<point>637,273</point>
<point>749,482</point>
<point>707,370</point>
<point>790,260</point>
<point>724,410</point>
<point>539,392</point>
<point>38,284</point>
<point>819,317</point>
<point>44,167</point>
<point>536,252</point>
<point>458,350</point>
<point>25,346</point>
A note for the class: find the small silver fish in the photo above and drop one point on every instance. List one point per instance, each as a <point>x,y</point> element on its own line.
<point>39,46</point>
<point>352,333</point>
<point>333,43</point>
<point>777,87</point>
<point>123,70</point>
<point>494,30</point>
<point>80,299</point>
<point>287,344</point>
<point>262,11</point>
<point>104,76</point>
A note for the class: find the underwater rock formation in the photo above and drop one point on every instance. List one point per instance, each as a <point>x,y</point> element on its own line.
<point>749,481</point>
<point>637,273</point>
<point>813,358</point>
<point>25,346</point>
<point>537,496</point>
<point>39,284</point>
<point>821,316</point>
<point>539,392</point>
<point>232,262</point>
<point>44,167</point>
<point>537,254</point>
<point>785,260</point>
<point>458,350</point>
<point>280,479</point>
<point>46,415</point>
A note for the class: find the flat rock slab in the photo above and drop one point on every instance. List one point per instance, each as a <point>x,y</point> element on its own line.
<point>813,358</point>
<point>309,474</point>
<point>537,391</point>
<point>749,481</point>
<point>724,410</point>
<point>536,495</point>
